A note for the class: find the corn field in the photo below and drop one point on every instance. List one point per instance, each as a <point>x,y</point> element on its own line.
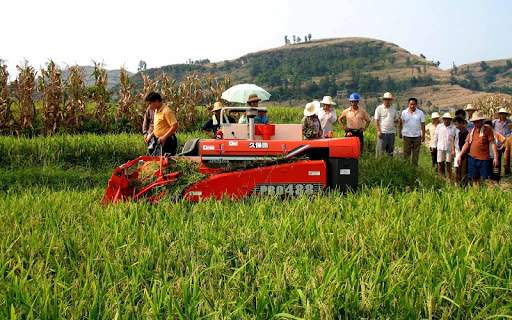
<point>49,104</point>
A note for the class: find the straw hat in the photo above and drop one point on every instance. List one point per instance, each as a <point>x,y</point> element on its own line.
<point>447,115</point>
<point>311,108</point>
<point>470,107</point>
<point>502,110</point>
<point>387,96</point>
<point>217,106</point>
<point>436,115</point>
<point>253,98</point>
<point>328,100</point>
<point>477,116</point>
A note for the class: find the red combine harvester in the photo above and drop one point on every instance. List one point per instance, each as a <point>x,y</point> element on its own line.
<point>249,160</point>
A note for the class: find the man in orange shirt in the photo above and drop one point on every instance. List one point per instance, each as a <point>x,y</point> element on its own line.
<point>477,143</point>
<point>355,117</point>
<point>165,126</point>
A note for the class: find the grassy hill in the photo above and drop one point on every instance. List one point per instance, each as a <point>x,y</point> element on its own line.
<point>113,76</point>
<point>491,76</point>
<point>295,74</point>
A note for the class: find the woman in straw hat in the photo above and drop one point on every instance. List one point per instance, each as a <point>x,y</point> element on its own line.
<point>430,130</point>
<point>311,127</point>
<point>327,115</point>
<point>212,125</point>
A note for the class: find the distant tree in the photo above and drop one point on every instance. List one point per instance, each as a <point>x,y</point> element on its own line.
<point>453,80</point>
<point>438,63</point>
<point>484,66</point>
<point>408,61</point>
<point>424,68</point>
<point>509,64</point>
<point>421,55</point>
<point>418,69</point>
<point>454,69</point>
<point>285,40</point>
<point>309,37</point>
<point>305,38</point>
<point>392,59</point>
<point>142,66</point>
<point>299,39</point>
<point>294,38</point>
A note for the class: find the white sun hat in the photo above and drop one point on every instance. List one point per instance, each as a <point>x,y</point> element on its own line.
<point>447,115</point>
<point>311,108</point>
<point>436,115</point>
<point>328,100</point>
<point>503,110</point>
<point>387,96</point>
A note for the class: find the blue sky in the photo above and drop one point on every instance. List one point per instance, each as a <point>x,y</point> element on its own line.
<point>168,32</point>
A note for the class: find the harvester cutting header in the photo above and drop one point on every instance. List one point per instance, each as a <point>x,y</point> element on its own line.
<point>244,160</point>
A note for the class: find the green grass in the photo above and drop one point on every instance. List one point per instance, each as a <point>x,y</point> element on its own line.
<point>406,245</point>
<point>367,254</point>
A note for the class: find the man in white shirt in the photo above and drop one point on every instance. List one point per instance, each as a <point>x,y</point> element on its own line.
<point>412,130</point>
<point>444,142</point>
<point>327,115</point>
<point>386,117</point>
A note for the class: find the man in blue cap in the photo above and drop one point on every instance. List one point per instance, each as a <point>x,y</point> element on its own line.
<point>355,117</point>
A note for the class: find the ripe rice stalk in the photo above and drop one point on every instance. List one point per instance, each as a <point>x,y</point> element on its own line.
<point>75,99</point>
<point>51,87</point>
<point>489,104</point>
<point>23,91</point>
<point>101,96</point>
<point>6,117</point>
<point>126,105</point>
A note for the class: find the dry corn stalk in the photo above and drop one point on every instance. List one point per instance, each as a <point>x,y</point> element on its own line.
<point>126,106</point>
<point>6,117</point>
<point>23,88</point>
<point>489,104</point>
<point>75,99</point>
<point>51,87</point>
<point>101,96</point>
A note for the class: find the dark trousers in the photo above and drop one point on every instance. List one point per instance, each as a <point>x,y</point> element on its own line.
<point>462,171</point>
<point>356,133</point>
<point>168,148</point>
<point>412,145</point>
<point>386,143</point>
<point>433,154</point>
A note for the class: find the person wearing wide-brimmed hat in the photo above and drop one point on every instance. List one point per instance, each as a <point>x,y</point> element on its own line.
<point>444,143</point>
<point>470,109</point>
<point>478,141</point>
<point>502,127</point>
<point>213,124</point>
<point>327,114</point>
<point>355,117</point>
<point>412,130</point>
<point>386,117</point>
<point>165,126</point>
<point>311,128</point>
<point>430,130</point>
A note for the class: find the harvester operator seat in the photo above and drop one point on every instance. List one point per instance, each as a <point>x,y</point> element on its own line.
<point>191,148</point>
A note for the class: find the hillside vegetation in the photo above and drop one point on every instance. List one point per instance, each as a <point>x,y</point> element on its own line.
<point>301,72</point>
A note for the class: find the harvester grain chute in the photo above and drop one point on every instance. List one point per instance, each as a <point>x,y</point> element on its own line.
<point>249,160</point>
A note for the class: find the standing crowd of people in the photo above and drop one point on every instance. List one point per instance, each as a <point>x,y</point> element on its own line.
<point>474,146</point>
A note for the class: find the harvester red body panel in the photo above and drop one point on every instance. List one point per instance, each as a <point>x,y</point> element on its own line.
<point>237,168</point>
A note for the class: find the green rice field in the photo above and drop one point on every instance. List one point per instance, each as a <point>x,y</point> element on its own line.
<point>406,245</point>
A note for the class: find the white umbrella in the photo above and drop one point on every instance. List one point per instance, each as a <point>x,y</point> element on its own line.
<point>241,92</point>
